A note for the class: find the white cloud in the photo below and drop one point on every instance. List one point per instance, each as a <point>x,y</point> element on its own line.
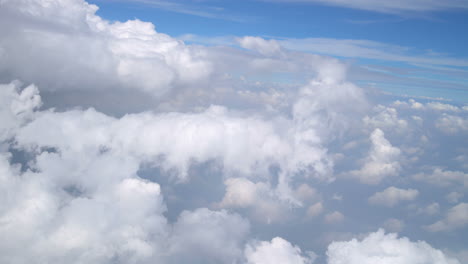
<point>454,197</point>
<point>435,106</point>
<point>392,196</point>
<point>381,162</point>
<point>394,225</point>
<point>451,124</point>
<point>314,210</point>
<point>264,47</point>
<point>386,118</point>
<point>443,178</point>
<point>381,248</point>
<point>456,217</point>
<point>368,49</point>
<point>334,217</point>
<point>84,51</point>
<point>242,193</point>
<point>431,209</point>
<point>205,236</point>
<point>78,194</point>
<point>278,251</point>
<point>399,6</point>
<point>16,107</point>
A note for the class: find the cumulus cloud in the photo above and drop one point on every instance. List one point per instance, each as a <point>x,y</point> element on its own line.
<point>84,51</point>
<point>456,217</point>
<point>394,225</point>
<point>16,107</point>
<point>392,196</point>
<point>454,197</point>
<point>264,47</point>
<point>452,124</point>
<point>434,106</point>
<point>381,248</point>
<point>314,210</point>
<point>80,185</point>
<point>443,178</point>
<point>334,217</point>
<point>381,162</point>
<point>386,118</point>
<point>277,251</point>
<point>205,236</point>
<point>430,209</point>
<point>242,193</point>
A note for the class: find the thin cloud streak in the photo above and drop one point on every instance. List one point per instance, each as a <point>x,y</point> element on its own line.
<point>390,7</point>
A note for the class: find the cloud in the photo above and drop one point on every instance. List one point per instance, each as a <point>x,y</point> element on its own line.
<point>16,107</point>
<point>394,225</point>
<point>454,197</point>
<point>431,209</point>
<point>73,41</point>
<point>226,128</point>
<point>334,217</point>
<point>392,196</point>
<point>456,217</point>
<point>395,7</point>
<point>386,118</point>
<point>205,236</point>
<point>191,9</point>
<point>264,202</point>
<point>264,47</point>
<point>381,162</point>
<point>277,251</point>
<point>354,48</point>
<point>451,124</point>
<point>314,210</point>
<point>443,178</point>
<point>435,106</point>
<point>381,248</point>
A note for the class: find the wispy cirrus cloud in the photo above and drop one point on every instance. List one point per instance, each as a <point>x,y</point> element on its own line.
<point>194,8</point>
<point>392,7</point>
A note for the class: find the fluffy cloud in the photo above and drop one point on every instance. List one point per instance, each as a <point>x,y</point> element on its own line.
<point>315,209</point>
<point>393,225</point>
<point>16,107</point>
<point>441,177</point>
<point>454,197</point>
<point>386,118</point>
<point>334,217</point>
<point>81,50</point>
<point>277,251</point>
<point>451,124</point>
<point>456,217</point>
<point>431,209</point>
<point>80,185</point>
<point>205,236</point>
<point>264,47</point>
<point>392,196</point>
<point>242,193</point>
<point>381,248</point>
<point>382,160</point>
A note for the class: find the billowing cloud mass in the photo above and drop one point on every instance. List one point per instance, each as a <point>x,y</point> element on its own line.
<point>381,248</point>
<point>89,52</point>
<point>121,144</point>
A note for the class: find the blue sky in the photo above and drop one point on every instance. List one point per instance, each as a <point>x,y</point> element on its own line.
<point>442,31</point>
<point>404,36</point>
